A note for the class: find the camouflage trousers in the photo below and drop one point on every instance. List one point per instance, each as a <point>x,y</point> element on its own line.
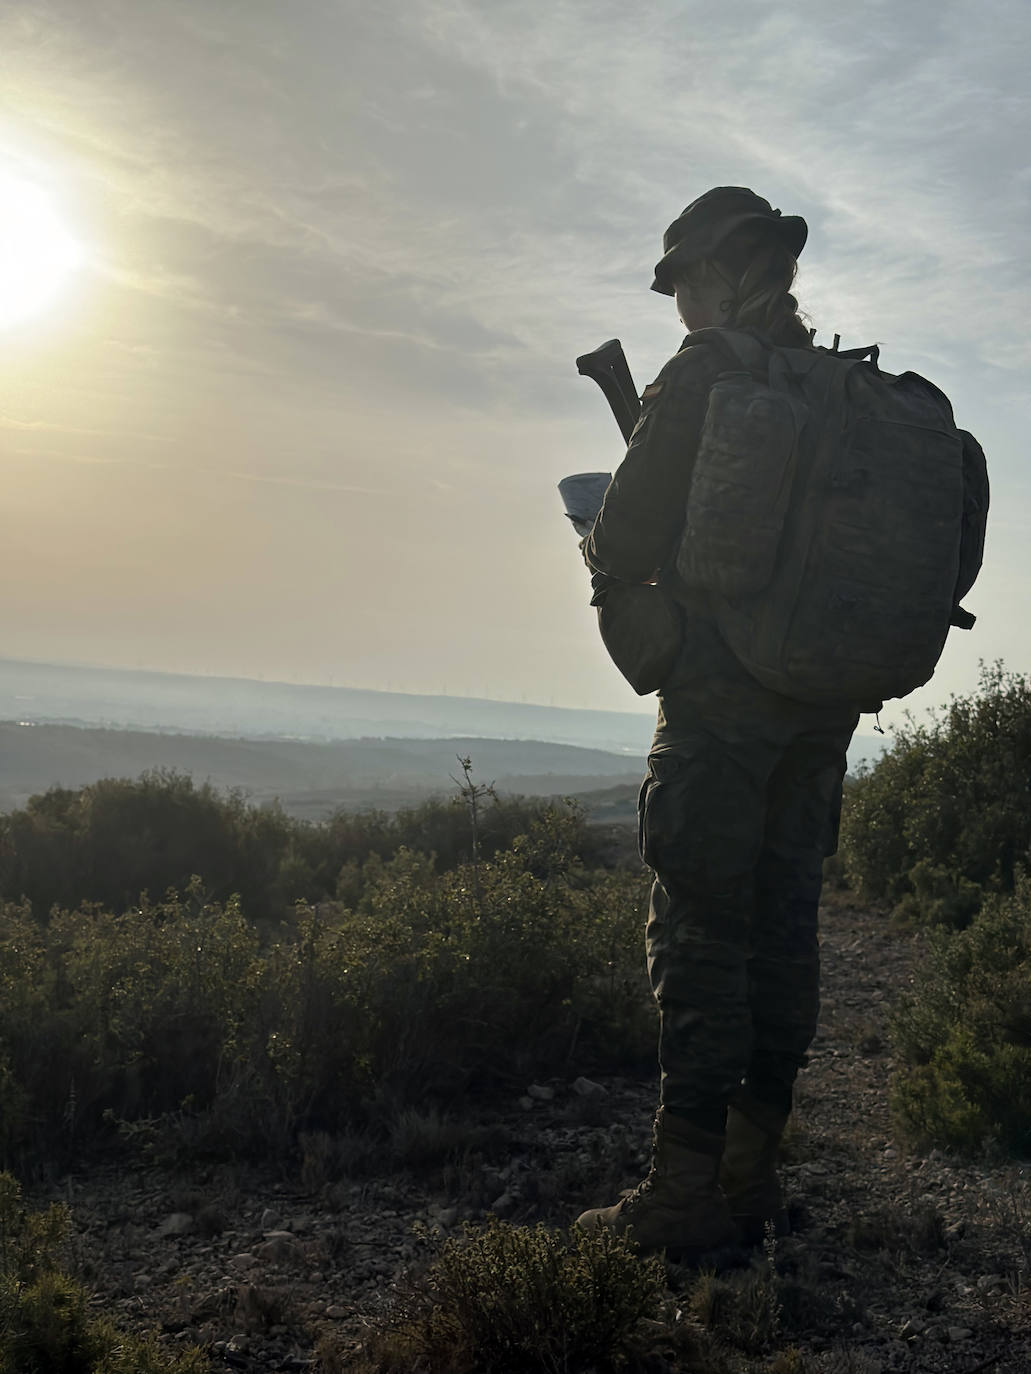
<point>736,830</point>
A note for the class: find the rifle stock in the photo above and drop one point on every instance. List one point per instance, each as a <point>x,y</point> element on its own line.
<point>607,366</point>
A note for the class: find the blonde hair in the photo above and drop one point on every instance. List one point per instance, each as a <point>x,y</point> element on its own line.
<point>759,271</point>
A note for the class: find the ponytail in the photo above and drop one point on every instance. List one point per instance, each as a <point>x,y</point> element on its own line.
<point>764,269</point>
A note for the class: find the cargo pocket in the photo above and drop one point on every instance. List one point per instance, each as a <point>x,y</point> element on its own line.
<point>658,810</point>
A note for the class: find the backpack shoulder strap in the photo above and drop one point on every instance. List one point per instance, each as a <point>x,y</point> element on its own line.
<point>871,352</point>
<point>740,346</point>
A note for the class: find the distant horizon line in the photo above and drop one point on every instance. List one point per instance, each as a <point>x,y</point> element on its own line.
<point>322,686</point>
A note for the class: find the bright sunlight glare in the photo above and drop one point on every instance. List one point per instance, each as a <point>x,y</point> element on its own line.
<point>37,253</point>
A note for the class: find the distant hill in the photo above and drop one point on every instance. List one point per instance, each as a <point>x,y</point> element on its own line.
<point>245,709</point>
<point>309,779</point>
<point>242,707</point>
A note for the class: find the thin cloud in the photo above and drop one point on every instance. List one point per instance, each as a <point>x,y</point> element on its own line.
<point>64,455</point>
<point>306,483</point>
<point>849,132</point>
<point>48,427</point>
<point>385,232</point>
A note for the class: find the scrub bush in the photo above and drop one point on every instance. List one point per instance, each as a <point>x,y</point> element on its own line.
<point>182,1023</point>
<point>513,1299</point>
<point>46,1323</point>
<point>964,1033</point>
<point>944,817</point>
<point>108,842</point>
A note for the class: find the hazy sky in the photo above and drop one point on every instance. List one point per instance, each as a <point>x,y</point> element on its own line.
<point>302,412</point>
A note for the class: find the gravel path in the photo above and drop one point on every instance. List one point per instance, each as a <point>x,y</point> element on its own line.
<point>913,1262</point>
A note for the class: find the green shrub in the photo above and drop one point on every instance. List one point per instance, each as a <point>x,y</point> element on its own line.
<point>129,1014</point>
<point>178,1021</point>
<point>944,818</point>
<point>108,842</point>
<point>438,983</point>
<point>964,1033</point>
<point>116,838</point>
<point>46,1324</point>
<point>513,1300</point>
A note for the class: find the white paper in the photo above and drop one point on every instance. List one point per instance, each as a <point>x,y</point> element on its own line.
<point>582,495</point>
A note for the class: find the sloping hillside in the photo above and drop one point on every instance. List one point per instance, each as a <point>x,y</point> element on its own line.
<point>310,779</point>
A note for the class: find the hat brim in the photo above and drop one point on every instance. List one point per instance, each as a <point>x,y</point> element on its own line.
<point>791,229</point>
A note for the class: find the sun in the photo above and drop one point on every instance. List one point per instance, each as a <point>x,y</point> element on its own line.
<point>37,251</point>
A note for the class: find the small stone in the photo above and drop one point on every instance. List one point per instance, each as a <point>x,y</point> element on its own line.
<point>269,1219</point>
<point>586,1087</point>
<point>142,1280</point>
<point>891,1153</point>
<point>540,1092</point>
<point>336,1313</point>
<point>244,1261</point>
<point>526,1103</point>
<point>280,1248</point>
<point>503,1205</point>
<point>178,1224</point>
<point>447,1216</point>
<point>987,1282</point>
<point>956,1334</point>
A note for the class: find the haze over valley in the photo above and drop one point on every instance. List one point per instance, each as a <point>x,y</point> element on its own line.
<point>313,748</point>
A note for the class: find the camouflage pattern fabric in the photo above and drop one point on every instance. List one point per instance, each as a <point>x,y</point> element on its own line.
<point>741,800</point>
<point>736,825</point>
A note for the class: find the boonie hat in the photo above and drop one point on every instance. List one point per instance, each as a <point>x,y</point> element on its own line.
<point>707,221</point>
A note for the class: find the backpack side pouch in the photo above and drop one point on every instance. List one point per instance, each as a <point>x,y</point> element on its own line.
<point>641,629</point>
<point>740,486</point>
<point>975,521</point>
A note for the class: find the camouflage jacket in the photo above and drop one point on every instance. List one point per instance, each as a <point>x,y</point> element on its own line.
<point>637,533</point>
<point>641,520</point>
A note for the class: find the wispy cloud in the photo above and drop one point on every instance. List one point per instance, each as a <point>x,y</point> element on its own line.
<point>890,129</point>
<point>48,427</point>
<point>305,483</point>
<point>385,232</point>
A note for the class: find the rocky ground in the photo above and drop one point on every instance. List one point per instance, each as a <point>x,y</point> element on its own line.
<point>910,1261</point>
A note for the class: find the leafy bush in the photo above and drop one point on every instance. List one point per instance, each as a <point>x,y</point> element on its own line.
<point>116,838</point>
<point>177,1020</point>
<point>512,1299</point>
<point>45,1320</point>
<point>944,817</point>
<point>964,1033</point>
<point>112,840</point>
<point>130,1013</point>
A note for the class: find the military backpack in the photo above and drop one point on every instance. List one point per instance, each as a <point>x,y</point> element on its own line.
<point>835,519</point>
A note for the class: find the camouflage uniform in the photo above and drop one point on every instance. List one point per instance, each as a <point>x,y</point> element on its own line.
<point>740,806</point>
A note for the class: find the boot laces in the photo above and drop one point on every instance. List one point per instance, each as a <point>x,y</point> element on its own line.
<point>648,1182</point>
<point>637,1194</point>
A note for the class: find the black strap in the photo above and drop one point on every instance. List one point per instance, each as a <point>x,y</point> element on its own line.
<point>873,352</point>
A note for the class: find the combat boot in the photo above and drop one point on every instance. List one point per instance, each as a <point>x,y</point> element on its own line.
<point>678,1207</point>
<point>748,1172</point>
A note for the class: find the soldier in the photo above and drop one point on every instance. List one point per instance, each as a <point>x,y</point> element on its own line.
<point>742,799</point>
